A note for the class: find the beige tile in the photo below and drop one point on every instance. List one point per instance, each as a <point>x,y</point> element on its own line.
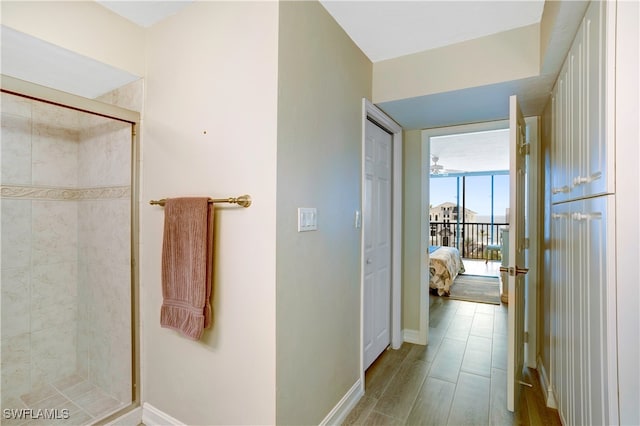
<point>15,149</point>
<point>38,394</point>
<point>460,327</point>
<point>499,352</point>
<point>55,315</point>
<point>471,401</point>
<point>431,349</point>
<point>89,397</point>
<point>55,284</point>
<point>433,403</point>
<point>446,364</point>
<point>53,353</point>
<point>54,232</point>
<point>397,399</point>
<point>67,382</point>
<point>466,309</point>
<point>50,403</point>
<point>54,155</point>
<point>16,379</point>
<point>361,411</point>
<point>102,406</point>
<point>379,419</point>
<point>16,349</point>
<point>500,323</point>
<point>15,105</point>
<point>16,303</point>
<point>380,373</point>
<point>477,356</point>
<point>16,233</point>
<point>498,413</point>
<point>104,153</point>
<point>76,391</point>
<point>485,308</point>
<point>482,325</point>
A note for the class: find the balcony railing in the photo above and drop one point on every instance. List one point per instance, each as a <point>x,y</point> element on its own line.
<point>470,238</point>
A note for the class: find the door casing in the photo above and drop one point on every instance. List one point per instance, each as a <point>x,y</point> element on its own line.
<point>377,115</point>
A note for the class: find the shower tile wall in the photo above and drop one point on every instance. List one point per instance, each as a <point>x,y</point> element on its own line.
<point>39,247</point>
<point>104,331</point>
<point>65,248</point>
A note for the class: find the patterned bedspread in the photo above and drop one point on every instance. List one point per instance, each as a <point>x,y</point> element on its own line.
<point>445,263</point>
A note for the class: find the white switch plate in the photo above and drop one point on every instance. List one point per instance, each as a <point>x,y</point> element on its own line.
<point>358,220</point>
<point>307,219</point>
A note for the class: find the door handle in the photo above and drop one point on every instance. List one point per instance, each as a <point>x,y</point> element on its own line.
<point>514,271</point>
<point>369,261</point>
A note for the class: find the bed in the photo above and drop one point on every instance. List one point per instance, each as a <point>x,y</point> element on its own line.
<point>445,263</point>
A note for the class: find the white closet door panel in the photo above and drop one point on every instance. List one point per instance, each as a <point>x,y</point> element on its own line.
<point>595,216</point>
<point>576,116</point>
<point>596,159</point>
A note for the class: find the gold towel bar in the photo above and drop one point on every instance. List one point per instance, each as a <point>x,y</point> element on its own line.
<point>242,200</point>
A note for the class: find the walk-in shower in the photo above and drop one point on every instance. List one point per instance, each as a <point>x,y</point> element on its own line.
<point>68,278</point>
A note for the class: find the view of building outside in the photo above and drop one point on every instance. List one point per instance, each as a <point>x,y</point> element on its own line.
<point>485,202</point>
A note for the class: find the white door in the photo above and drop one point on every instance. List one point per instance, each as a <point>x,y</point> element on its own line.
<point>516,268</point>
<point>377,242</point>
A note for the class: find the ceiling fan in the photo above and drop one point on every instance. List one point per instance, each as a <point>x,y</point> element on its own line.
<point>438,169</point>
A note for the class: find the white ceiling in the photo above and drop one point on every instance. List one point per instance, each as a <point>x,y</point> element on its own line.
<point>145,13</point>
<point>472,152</point>
<point>389,29</point>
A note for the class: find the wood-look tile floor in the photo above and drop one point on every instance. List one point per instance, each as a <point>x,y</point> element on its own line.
<point>460,378</point>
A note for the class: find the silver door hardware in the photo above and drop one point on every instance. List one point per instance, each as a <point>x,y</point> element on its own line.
<point>514,271</point>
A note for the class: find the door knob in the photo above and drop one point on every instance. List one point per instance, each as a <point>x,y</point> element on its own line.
<point>368,261</point>
<point>514,271</point>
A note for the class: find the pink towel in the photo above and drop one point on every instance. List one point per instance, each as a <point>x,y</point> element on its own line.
<point>187,266</point>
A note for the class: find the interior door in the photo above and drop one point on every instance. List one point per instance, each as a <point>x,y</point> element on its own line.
<point>377,242</point>
<point>516,268</point>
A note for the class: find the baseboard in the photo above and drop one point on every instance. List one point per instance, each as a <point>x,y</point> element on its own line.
<point>411,336</point>
<point>344,407</point>
<point>131,418</point>
<point>151,416</point>
<point>549,396</point>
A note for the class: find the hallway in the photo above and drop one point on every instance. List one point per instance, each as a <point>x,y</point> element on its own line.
<point>459,378</point>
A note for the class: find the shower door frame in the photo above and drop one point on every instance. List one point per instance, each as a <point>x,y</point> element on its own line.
<point>51,96</point>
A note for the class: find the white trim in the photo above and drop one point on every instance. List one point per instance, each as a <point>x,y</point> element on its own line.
<point>411,336</point>
<point>342,409</point>
<point>370,110</point>
<point>547,389</point>
<point>151,416</point>
<point>535,168</point>
<point>131,418</point>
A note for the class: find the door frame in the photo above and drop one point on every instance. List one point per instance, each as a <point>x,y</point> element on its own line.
<point>369,110</point>
<point>533,181</point>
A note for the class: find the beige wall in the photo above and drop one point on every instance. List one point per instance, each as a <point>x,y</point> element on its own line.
<point>505,56</point>
<point>209,129</point>
<point>322,79</point>
<point>412,188</point>
<point>83,27</point>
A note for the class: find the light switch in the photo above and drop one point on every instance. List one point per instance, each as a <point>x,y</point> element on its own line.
<point>307,219</point>
<point>358,220</point>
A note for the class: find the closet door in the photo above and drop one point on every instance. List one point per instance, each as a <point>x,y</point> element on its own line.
<point>593,176</point>
<point>575,120</point>
<point>561,304</point>
<point>560,173</point>
<point>595,220</point>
